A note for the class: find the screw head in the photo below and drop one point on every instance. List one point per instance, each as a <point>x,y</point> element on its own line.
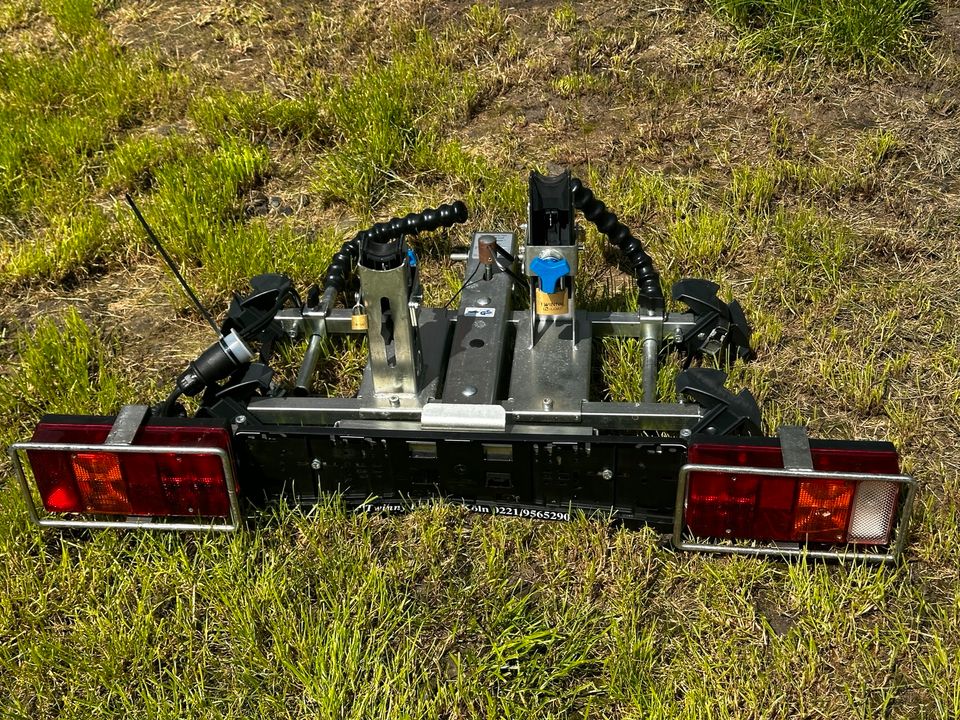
<point>240,419</point>
<point>394,401</point>
<point>548,403</point>
<point>607,474</point>
<point>316,464</point>
<point>686,432</point>
<point>469,390</point>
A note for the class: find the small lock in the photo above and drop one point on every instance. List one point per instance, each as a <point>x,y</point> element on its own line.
<point>358,320</point>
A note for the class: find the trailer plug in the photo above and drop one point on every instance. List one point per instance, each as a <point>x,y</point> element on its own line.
<point>215,363</point>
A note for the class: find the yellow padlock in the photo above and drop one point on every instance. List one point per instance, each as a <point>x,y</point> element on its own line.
<point>358,321</point>
<point>555,303</point>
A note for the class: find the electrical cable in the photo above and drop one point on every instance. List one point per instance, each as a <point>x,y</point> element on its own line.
<point>463,287</point>
<point>167,406</point>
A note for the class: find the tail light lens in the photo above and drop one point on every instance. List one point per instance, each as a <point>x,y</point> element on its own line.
<point>740,491</point>
<point>167,471</point>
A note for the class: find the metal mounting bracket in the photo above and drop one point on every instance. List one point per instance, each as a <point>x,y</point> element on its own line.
<point>795,447</point>
<point>128,422</point>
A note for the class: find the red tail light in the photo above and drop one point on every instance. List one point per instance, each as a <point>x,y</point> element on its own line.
<point>167,471</point>
<point>740,491</point>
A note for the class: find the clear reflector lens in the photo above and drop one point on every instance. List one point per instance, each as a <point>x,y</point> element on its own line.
<point>874,507</point>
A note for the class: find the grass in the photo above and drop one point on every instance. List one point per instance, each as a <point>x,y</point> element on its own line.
<point>60,111</point>
<point>387,116</point>
<point>222,115</point>
<point>70,363</point>
<point>863,34</point>
<point>59,116</point>
<point>370,128</point>
<point>828,215</point>
<point>351,617</point>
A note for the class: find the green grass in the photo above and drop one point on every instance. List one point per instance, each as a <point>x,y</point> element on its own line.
<point>441,614</point>
<point>385,117</point>
<point>381,122</point>
<point>828,218</point>
<point>221,115</point>
<point>63,366</point>
<point>859,33</point>
<point>61,112</point>
<point>68,243</point>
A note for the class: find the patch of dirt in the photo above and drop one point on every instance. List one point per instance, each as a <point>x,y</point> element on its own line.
<point>780,623</point>
<point>155,331</point>
<point>35,32</point>
<point>946,25</point>
<point>230,44</point>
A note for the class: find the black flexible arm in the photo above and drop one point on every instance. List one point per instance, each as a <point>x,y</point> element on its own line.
<point>341,267</point>
<point>648,280</point>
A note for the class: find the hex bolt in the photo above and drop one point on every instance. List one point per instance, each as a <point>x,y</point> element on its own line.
<point>316,464</point>
<point>548,404</point>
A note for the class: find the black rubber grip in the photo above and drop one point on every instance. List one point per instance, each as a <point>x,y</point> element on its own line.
<point>341,266</point>
<point>641,264</point>
<point>416,223</point>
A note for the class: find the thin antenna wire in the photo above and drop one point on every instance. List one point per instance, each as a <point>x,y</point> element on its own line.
<point>466,284</point>
<point>173,267</point>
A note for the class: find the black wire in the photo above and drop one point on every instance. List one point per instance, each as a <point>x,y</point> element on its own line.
<point>516,278</point>
<point>167,405</point>
<point>172,265</point>
<point>462,287</point>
